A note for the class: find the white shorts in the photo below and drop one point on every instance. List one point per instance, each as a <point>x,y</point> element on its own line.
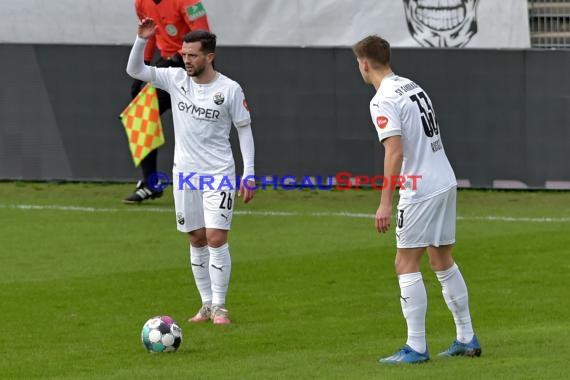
<point>427,223</point>
<point>198,208</point>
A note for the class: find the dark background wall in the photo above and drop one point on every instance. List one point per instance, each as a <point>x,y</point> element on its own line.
<point>504,114</point>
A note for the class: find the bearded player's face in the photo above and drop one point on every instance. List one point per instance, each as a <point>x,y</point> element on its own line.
<point>195,60</point>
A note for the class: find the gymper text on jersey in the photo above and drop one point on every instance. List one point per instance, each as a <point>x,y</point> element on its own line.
<point>200,112</point>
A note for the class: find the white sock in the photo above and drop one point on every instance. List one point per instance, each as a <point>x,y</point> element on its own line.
<point>455,295</point>
<point>200,262</point>
<point>413,299</point>
<point>220,270</point>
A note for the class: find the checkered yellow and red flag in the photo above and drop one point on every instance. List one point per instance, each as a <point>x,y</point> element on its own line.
<point>141,120</point>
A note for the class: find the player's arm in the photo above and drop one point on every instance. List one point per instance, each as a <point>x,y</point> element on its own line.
<point>194,14</point>
<point>151,41</point>
<point>387,122</point>
<point>247,148</point>
<point>137,84</point>
<point>241,118</point>
<point>149,49</point>
<point>136,66</point>
<point>393,158</point>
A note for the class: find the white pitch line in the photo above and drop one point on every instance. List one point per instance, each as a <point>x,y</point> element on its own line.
<point>515,219</point>
<point>344,214</point>
<point>84,209</point>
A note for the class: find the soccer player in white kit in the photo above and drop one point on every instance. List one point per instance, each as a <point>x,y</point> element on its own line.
<point>404,117</point>
<point>205,104</point>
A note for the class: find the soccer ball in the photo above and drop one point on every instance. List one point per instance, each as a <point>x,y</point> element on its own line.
<point>161,334</point>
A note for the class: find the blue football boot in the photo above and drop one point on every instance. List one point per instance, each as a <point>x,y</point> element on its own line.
<point>406,355</point>
<point>473,348</point>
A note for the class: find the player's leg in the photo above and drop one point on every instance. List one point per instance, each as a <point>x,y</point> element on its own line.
<point>453,286</point>
<point>200,263</point>
<point>220,271</point>
<point>218,212</point>
<point>413,296</point>
<point>149,165</point>
<point>190,220</point>
<point>413,300</point>
<point>456,297</point>
<point>410,238</point>
<point>148,188</point>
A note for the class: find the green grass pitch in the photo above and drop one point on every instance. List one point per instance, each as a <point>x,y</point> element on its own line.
<point>313,292</point>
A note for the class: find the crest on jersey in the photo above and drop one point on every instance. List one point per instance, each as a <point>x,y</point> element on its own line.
<point>180,218</point>
<point>171,30</point>
<point>382,122</point>
<point>435,23</point>
<point>219,98</point>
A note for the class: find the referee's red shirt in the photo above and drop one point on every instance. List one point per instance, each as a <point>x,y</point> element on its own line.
<point>174,19</point>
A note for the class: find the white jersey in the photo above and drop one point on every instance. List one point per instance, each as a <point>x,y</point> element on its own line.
<point>203,115</point>
<point>401,107</point>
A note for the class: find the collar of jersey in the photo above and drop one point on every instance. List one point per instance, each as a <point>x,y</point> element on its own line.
<point>206,84</point>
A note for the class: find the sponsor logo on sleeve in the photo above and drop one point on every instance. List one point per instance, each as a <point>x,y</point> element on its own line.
<point>196,11</point>
<point>382,122</point>
<point>245,105</point>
